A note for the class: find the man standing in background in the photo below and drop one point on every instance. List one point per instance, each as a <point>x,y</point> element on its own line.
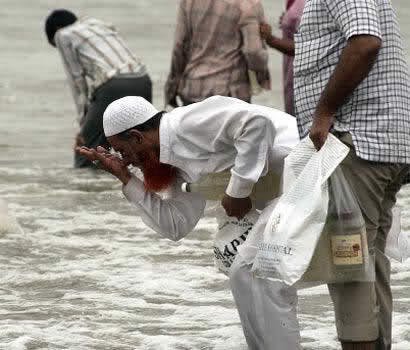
<point>351,79</point>
<point>216,44</point>
<point>289,23</point>
<point>100,68</point>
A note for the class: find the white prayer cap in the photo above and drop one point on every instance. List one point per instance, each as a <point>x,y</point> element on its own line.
<point>125,113</point>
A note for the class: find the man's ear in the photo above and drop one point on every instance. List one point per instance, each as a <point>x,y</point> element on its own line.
<point>138,135</point>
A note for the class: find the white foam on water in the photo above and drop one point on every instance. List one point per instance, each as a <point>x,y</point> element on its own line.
<point>87,274</point>
<point>8,222</point>
<point>103,275</point>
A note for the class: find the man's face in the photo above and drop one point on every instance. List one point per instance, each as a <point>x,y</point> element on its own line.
<point>132,150</point>
<point>140,152</point>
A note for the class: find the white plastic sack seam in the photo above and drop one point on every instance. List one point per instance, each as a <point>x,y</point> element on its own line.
<point>295,225</point>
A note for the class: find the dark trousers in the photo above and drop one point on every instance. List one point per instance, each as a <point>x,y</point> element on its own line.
<point>407,179</point>
<point>186,102</point>
<point>115,88</point>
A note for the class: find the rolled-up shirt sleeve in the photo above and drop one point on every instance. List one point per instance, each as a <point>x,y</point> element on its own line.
<point>251,143</point>
<point>173,217</point>
<point>74,72</point>
<point>355,17</point>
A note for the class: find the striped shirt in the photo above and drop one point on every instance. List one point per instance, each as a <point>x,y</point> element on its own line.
<point>216,42</point>
<point>92,53</point>
<point>377,113</point>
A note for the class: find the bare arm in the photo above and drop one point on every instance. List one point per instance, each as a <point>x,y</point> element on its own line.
<point>354,65</point>
<point>286,46</point>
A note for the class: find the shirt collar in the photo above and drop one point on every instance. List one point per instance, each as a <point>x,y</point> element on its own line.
<point>164,139</point>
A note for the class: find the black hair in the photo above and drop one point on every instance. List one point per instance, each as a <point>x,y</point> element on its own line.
<point>150,124</point>
<point>58,19</point>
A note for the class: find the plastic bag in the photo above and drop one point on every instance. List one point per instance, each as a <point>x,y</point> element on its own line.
<point>341,254</point>
<point>230,235</point>
<point>296,223</point>
<point>397,243</point>
<point>249,248</point>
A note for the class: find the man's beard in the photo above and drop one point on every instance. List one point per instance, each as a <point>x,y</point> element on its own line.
<point>157,176</point>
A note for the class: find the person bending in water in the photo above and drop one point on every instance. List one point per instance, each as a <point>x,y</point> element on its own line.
<point>100,68</point>
<point>215,135</point>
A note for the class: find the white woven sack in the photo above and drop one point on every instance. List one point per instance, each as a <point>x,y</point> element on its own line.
<point>231,234</point>
<point>295,225</point>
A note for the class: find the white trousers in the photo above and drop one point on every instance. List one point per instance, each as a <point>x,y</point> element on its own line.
<point>267,309</point>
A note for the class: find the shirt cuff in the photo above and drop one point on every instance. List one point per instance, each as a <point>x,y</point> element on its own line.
<point>134,190</point>
<point>364,31</point>
<point>238,187</point>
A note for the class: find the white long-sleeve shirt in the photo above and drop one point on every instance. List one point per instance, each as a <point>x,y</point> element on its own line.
<point>214,135</point>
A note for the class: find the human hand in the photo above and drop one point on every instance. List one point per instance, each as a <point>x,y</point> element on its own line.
<point>78,142</point>
<point>320,129</point>
<point>281,18</point>
<point>106,161</point>
<point>237,207</point>
<point>265,30</point>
